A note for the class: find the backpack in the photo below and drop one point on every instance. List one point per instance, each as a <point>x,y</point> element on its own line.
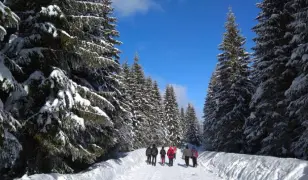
<point>195,153</point>
<point>154,152</point>
<point>163,152</point>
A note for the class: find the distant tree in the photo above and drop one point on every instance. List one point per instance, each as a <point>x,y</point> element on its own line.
<point>209,110</point>
<point>193,126</point>
<point>172,116</point>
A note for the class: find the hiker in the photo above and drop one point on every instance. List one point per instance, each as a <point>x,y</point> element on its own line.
<point>170,155</point>
<point>174,150</point>
<point>186,155</point>
<point>148,154</point>
<point>154,153</point>
<point>162,155</point>
<point>195,155</point>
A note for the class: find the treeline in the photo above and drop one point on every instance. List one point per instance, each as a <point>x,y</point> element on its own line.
<point>65,100</point>
<point>262,108</point>
<point>157,119</point>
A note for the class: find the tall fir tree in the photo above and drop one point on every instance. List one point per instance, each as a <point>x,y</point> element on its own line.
<point>158,113</point>
<point>140,105</point>
<point>126,135</point>
<point>234,90</point>
<point>10,146</point>
<point>193,126</point>
<point>172,116</point>
<point>209,114</point>
<point>297,93</point>
<point>183,123</point>
<point>267,128</point>
<point>70,101</point>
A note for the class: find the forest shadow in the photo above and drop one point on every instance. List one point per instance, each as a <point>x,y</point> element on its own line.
<point>305,174</point>
<point>182,165</point>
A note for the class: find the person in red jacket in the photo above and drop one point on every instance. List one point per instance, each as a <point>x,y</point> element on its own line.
<point>174,149</point>
<point>195,155</point>
<point>170,155</point>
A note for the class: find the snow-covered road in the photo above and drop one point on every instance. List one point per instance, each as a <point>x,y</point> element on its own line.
<point>177,172</point>
<point>213,166</point>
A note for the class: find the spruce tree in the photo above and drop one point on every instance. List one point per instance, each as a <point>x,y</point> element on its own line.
<point>150,111</point>
<point>140,105</point>
<point>71,100</point>
<point>10,145</point>
<point>209,113</point>
<point>297,93</point>
<point>8,19</point>
<point>193,126</point>
<point>183,123</point>
<point>233,91</point>
<point>125,115</point>
<point>172,116</point>
<point>161,131</point>
<point>266,129</point>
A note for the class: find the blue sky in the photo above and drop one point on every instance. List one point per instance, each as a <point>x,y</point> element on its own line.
<point>177,40</point>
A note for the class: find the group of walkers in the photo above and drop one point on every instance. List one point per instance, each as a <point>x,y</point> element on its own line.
<point>152,153</point>
<point>190,153</point>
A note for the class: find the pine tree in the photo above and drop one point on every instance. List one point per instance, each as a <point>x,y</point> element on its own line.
<point>161,131</point>
<point>266,129</point>
<point>193,126</point>
<point>172,116</point>
<point>141,125</point>
<point>149,111</point>
<point>128,81</point>
<point>71,103</point>
<point>233,90</point>
<point>10,146</point>
<point>125,115</point>
<point>8,19</point>
<point>297,93</point>
<point>209,111</point>
<point>183,123</point>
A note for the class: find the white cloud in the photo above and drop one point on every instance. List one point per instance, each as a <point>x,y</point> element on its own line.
<point>181,95</point>
<point>183,99</point>
<point>131,7</point>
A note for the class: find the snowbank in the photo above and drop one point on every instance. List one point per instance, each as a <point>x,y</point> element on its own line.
<point>101,171</point>
<point>247,167</point>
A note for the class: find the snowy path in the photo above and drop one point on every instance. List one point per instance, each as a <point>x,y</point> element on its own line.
<point>213,166</point>
<point>176,172</point>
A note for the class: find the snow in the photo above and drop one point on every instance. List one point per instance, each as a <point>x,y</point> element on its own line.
<point>249,167</point>
<point>5,73</point>
<point>305,57</point>
<point>51,10</point>
<point>132,166</point>
<point>212,166</point>
<point>9,19</point>
<point>79,121</point>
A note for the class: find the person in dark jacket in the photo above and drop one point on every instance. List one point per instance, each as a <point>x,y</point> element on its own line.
<point>148,153</point>
<point>154,153</point>
<point>163,155</point>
